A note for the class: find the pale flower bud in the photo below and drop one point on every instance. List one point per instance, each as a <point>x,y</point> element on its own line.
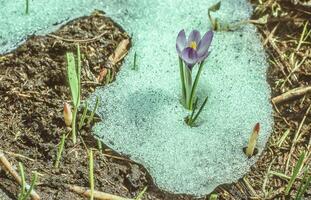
<point>67,114</point>
<point>252,141</point>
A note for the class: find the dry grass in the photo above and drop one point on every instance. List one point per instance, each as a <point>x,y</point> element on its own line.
<point>287,39</point>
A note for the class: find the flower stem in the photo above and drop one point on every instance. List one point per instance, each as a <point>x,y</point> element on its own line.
<point>190,119</point>
<point>188,87</point>
<point>200,110</point>
<point>194,87</point>
<point>182,77</point>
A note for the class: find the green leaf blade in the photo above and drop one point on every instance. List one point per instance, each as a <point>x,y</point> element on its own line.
<point>73,78</point>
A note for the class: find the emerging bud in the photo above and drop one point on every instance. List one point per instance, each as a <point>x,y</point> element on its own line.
<point>67,114</point>
<point>252,141</point>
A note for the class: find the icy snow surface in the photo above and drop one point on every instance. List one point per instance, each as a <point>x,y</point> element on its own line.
<point>142,117</point>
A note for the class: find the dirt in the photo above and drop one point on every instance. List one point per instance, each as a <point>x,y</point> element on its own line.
<point>33,89</point>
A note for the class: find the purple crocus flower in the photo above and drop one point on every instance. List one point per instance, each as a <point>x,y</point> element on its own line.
<point>195,49</point>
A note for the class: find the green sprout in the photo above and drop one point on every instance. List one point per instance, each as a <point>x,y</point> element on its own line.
<point>99,145</point>
<point>60,151</point>
<point>304,185</point>
<point>213,197</point>
<point>27,7</point>
<point>141,194</point>
<point>135,62</point>
<point>109,76</point>
<point>91,117</point>
<point>81,123</point>
<point>73,73</point>
<point>296,171</point>
<point>26,189</point>
<point>190,120</point>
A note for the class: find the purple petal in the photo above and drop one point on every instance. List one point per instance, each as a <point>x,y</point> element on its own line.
<point>189,56</point>
<point>181,42</point>
<point>194,36</point>
<point>205,43</point>
<point>203,57</point>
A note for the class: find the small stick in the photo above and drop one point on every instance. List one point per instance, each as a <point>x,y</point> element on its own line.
<point>291,94</point>
<point>78,40</point>
<point>91,173</point>
<point>120,52</point>
<point>9,168</point>
<point>97,194</point>
<point>17,155</point>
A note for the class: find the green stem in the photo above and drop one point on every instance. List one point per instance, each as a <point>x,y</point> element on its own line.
<point>141,194</point>
<point>81,123</point>
<point>304,185</point>
<point>74,130</point>
<point>91,117</point>
<point>23,181</point>
<point>194,87</point>
<point>78,74</point>
<point>100,146</point>
<point>296,171</point>
<point>32,185</point>
<point>182,77</point>
<point>27,7</point>
<point>134,62</point>
<point>60,151</point>
<point>188,86</point>
<point>190,119</point>
<point>200,110</point>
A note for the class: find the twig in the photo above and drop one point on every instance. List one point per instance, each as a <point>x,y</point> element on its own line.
<point>9,168</point>
<point>118,158</point>
<point>97,194</point>
<point>291,94</point>
<point>91,173</point>
<point>17,155</point>
<point>78,40</point>
<point>250,187</point>
<point>120,52</point>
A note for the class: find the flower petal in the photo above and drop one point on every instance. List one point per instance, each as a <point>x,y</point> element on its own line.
<point>189,56</point>
<point>205,43</point>
<point>181,42</point>
<point>203,57</point>
<point>194,36</point>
